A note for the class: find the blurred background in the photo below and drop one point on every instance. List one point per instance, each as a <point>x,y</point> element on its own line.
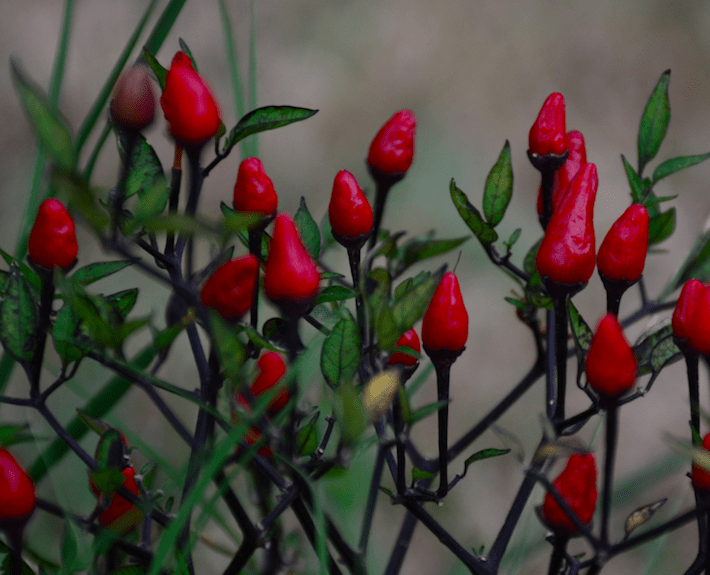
<point>475,74</point>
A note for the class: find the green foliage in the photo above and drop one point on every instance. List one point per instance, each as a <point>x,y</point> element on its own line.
<point>499,188</point>
<point>654,121</point>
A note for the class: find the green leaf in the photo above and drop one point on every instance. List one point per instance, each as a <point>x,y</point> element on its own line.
<point>310,235</point>
<point>80,198</point>
<point>123,301</point>
<point>410,307</point>
<point>535,296</point>
<point>654,121</point>
<point>184,48</point>
<point>229,349</point>
<point>656,349</point>
<point>418,250</point>
<point>695,266</point>
<point>675,164</point>
<point>634,181</point>
<point>144,170</point>
<point>30,275</point>
<point>109,454</point>
<point>661,226</point>
<point>581,332</point>
<point>471,216</point>
<point>266,118</point>
<point>499,187</point>
<point>52,132</point>
<point>14,434</point>
<point>484,454</point>
<point>651,200</point>
<point>426,411</point>
<point>340,357</point>
<point>97,271</point>
<point>65,334</point>
<point>350,413</point>
<point>18,318</point>
<point>307,438</point>
<point>151,205</point>
<point>513,238</point>
<point>529,264</point>
<point>378,285</point>
<point>160,72</point>
<point>240,221</point>
<point>334,293</point>
<point>420,474</point>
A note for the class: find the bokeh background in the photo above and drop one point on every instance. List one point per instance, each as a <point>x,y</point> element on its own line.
<point>476,74</point>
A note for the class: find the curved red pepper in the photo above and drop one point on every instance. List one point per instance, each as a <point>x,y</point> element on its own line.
<point>52,240</point>
<point>548,134</point>
<point>349,211</point>
<point>575,160</point>
<point>230,289</point>
<point>622,255</point>
<point>445,324</point>
<point>611,364</point>
<point>392,150</point>
<point>254,190</point>
<point>577,485</point>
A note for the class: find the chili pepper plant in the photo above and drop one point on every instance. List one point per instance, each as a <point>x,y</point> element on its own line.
<point>302,368</point>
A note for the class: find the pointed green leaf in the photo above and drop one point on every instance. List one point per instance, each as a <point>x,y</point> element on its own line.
<point>310,235</point>
<point>654,121</point>
<point>350,413</point>
<point>334,293</point>
<point>427,410</point>
<point>499,187</point>
<point>418,250</point>
<point>661,226</point>
<point>634,181</point>
<point>152,204</point>
<point>378,286</point>
<point>229,349</point>
<point>340,357</point>
<point>145,170</point>
<point>160,72</point>
<point>18,318</point>
<point>695,266</point>
<point>484,454</point>
<point>513,238</point>
<point>529,264</point>
<point>97,271</point>
<point>65,334</point>
<point>30,275</point>
<point>186,49</point>
<point>656,348</point>
<point>419,474</point>
<point>14,434</point>
<point>471,216</point>
<point>675,164</point>
<point>411,305</point>
<point>266,118</point>
<point>50,128</point>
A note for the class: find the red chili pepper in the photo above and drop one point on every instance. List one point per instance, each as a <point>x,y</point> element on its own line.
<point>254,190</point>
<point>409,339</point>
<point>121,515</point>
<point>349,211</point>
<point>53,237</point>
<point>611,363</point>
<point>548,134</point>
<point>17,492</point>
<point>188,104</point>
<point>445,324</point>
<point>622,255</point>
<point>691,318</point>
<point>566,254</point>
<point>291,278</point>
<point>272,369</point>
<point>392,149</point>
<point>577,485</point>
<point>700,476</point>
<point>230,289</point>
<point>575,160</point>
<point>133,104</point>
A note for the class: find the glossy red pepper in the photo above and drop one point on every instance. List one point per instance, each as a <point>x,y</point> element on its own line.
<point>53,237</point>
<point>699,475</point>
<point>349,211</point>
<point>230,289</point>
<point>254,190</point>
<point>691,318</point>
<point>121,515</point>
<point>622,255</point>
<point>577,485</point>
<point>392,150</point>
<point>575,160</point>
<point>17,492</point>
<point>445,324</point>
<point>188,104</point>
<point>291,278</point>
<point>133,104</point>
<point>611,363</point>
<point>409,339</point>
<point>548,134</point>
<point>272,369</point>
<point>566,254</point>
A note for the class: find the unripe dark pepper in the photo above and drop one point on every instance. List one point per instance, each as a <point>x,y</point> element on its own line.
<point>566,254</point>
<point>611,364</point>
<point>577,485</point>
<point>52,240</point>
<point>188,104</point>
<point>17,493</point>
<point>254,190</point>
<point>622,254</point>
<point>230,289</point>
<point>445,324</point>
<point>291,278</point>
<point>409,339</point>
<point>133,105</point>
<point>349,211</point>
<point>392,150</point>
<point>548,134</point>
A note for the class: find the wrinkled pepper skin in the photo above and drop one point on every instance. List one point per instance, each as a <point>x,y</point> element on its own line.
<point>230,289</point>
<point>622,254</point>
<point>575,160</point>
<point>566,254</point>
<point>611,364</point>
<point>52,240</point>
<point>445,324</point>
<point>577,485</point>
<point>691,317</point>
<point>392,150</point>
<point>349,211</point>
<point>548,134</point>
<point>254,190</point>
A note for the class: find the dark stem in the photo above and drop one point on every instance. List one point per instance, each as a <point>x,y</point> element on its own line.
<point>354,259</point>
<point>561,356</point>
<point>383,188</point>
<point>255,236</point>
<point>398,424</point>
<point>691,363</point>
<point>548,182</point>
<point>306,522</point>
<point>14,537</point>
<point>175,181</point>
<point>196,179</point>
<point>550,407</point>
<point>612,429</point>
<point>402,545</point>
<point>371,500</point>
<point>559,549</point>
<point>131,139</point>
<point>45,310</point>
<point>443,373</point>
